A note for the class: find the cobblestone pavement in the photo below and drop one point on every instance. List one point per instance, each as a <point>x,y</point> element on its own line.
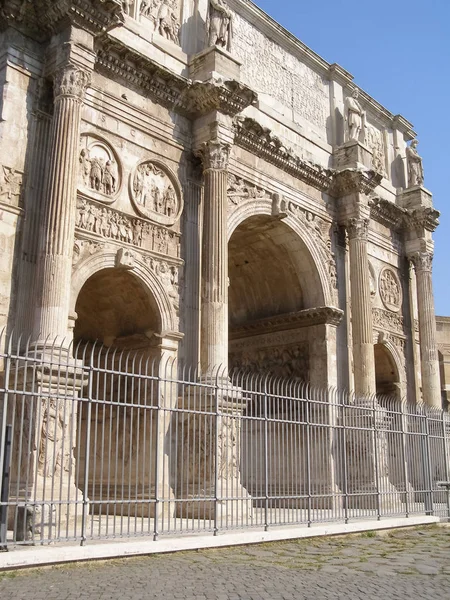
<point>400,564</point>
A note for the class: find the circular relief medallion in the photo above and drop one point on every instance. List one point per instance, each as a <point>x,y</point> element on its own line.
<point>99,171</point>
<point>155,193</point>
<point>390,289</point>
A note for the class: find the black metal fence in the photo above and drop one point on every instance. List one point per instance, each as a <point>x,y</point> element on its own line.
<point>117,443</point>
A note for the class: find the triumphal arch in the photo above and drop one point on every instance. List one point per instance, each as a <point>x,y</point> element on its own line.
<point>189,180</point>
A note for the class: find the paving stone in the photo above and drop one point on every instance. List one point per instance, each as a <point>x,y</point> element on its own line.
<point>330,569</point>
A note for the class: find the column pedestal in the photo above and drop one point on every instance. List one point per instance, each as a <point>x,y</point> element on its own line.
<point>43,469</point>
<point>208,457</point>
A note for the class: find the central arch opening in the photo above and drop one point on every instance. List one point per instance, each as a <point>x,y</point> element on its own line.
<point>273,283</point>
<point>117,333</point>
<point>273,278</point>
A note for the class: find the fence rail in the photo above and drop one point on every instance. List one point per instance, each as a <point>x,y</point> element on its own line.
<point>100,443</point>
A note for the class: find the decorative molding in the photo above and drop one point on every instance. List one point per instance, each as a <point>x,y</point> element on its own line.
<point>42,19</point>
<point>387,213</point>
<point>324,315</point>
<point>105,223</point>
<point>422,261</point>
<point>258,140</point>
<point>71,81</point>
<point>358,229</point>
<point>422,218</point>
<point>192,99</point>
<point>350,181</point>
<point>214,155</point>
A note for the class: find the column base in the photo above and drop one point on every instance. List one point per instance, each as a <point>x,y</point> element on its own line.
<point>233,505</point>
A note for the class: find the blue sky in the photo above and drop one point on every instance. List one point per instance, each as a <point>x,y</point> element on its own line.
<point>399,52</point>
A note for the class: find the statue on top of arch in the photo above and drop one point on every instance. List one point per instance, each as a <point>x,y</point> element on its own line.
<point>220,24</point>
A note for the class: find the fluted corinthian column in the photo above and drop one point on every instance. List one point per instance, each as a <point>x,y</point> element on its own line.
<point>59,207</point>
<point>214,287</point>
<point>362,331</point>
<point>431,389</point>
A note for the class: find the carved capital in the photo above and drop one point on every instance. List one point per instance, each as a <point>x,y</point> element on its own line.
<point>71,81</point>
<point>358,229</point>
<point>351,181</point>
<point>422,261</point>
<point>215,155</point>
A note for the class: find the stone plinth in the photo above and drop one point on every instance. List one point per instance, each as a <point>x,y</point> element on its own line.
<point>208,430</point>
<point>353,155</point>
<point>416,197</point>
<point>212,63</point>
<point>43,478</point>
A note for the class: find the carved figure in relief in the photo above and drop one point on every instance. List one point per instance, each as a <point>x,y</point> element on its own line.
<point>220,24</point>
<point>50,460</point>
<point>167,22</point>
<point>96,174</point>
<point>153,192</point>
<point>85,166</point>
<point>11,186</point>
<point>355,116</point>
<point>390,290</point>
<point>415,167</point>
<point>98,169</point>
<point>126,5</point>
<point>145,8</point>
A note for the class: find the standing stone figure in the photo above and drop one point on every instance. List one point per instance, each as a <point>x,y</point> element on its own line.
<point>167,22</point>
<point>220,24</point>
<point>355,116</point>
<point>415,167</point>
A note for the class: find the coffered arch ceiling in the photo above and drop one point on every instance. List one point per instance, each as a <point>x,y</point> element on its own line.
<point>271,271</point>
<point>114,304</point>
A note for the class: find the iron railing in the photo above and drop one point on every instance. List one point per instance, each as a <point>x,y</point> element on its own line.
<point>111,443</point>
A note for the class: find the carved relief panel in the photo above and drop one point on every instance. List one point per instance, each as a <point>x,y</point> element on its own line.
<point>155,193</point>
<point>162,17</point>
<point>280,361</point>
<point>118,227</point>
<point>11,183</point>
<point>99,173</point>
<point>390,289</point>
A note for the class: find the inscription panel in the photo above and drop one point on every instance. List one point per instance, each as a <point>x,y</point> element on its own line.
<point>267,67</point>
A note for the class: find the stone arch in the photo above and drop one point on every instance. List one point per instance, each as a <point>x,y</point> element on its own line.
<point>107,259</point>
<point>389,372</point>
<point>318,267</point>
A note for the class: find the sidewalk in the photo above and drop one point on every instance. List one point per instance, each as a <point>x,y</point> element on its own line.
<point>408,563</point>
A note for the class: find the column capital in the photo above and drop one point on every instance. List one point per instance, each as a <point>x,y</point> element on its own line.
<point>214,154</point>
<point>422,260</point>
<point>71,81</point>
<point>357,228</point>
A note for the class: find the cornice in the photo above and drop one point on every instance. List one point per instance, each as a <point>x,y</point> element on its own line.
<point>387,213</point>
<point>251,136</point>
<point>350,181</point>
<point>324,315</point>
<point>191,99</point>
<point>42,18</point>
<point>423,218</point>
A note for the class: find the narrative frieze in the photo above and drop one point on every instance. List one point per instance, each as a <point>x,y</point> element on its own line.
<point>117,226</point>
<point>282,361</point>
<point>267,340</point>
<point>385,319</point>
